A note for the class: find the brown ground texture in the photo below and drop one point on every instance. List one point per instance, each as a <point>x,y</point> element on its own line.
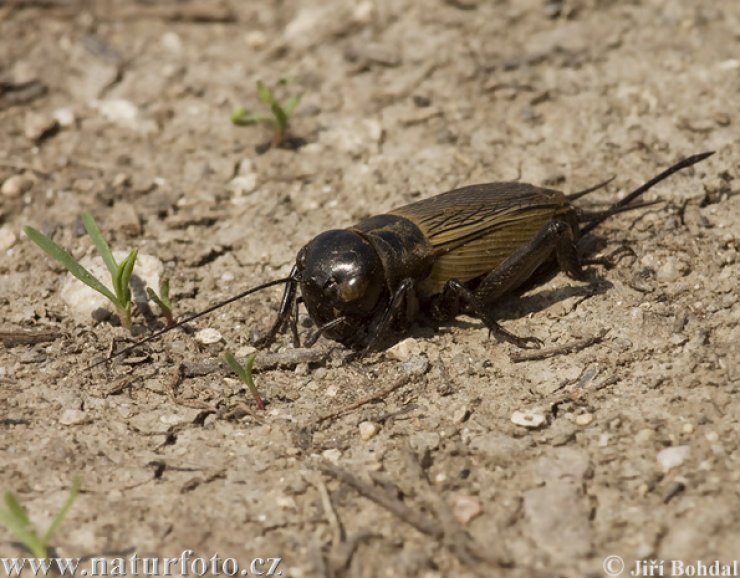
<point>122,108</point>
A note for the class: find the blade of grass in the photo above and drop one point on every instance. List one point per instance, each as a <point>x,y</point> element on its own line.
<point>235,366</point>
<point>16,509</point>
<point>73,492</point>
<point>291,103</point>
<point>16,520</point>
<point>100,243</point>
<point>164,292</point>
<point>71,264</point>
<point>245,374</point>
<point>280,116</point>
<point>264,93</point>
<point>127,269</point>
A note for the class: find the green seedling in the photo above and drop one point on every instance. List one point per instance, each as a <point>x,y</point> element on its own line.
<point>14,517</point>
<point>120,272</point>
<point>281,113</point>
<point>245,374</point>
<point>163,300</point>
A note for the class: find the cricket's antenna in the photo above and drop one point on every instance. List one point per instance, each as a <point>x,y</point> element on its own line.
<point>190,318</point>
<point>620,205</point>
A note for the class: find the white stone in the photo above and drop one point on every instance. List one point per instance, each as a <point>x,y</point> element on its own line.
<point>256,39</point>
<point>333,455</point>
<point>403,350</point>
<point>37,126</point>
<point>126,114</point>
<point>208,336</point>
<point>172,42</point>
<point>7,238</point>
<point>243,184</point>
<point>65,117</point>
<point>673,457</point>
<point>530,419</point>
<point>72,417</point>
<point>368,430</point>
<point>465,508</point>
<point>16,185</point>
<point>584,419</point>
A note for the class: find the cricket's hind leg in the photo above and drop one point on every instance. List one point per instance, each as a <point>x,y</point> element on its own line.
<point>556,237</point>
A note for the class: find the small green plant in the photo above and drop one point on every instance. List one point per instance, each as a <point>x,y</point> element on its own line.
<point>120,272</point>
<point>245,374</point>
<point>163,300</point>
<point>281,113</point>
<point>16,520</point>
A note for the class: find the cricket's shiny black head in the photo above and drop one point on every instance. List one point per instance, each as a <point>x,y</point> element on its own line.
<point>341,275</point>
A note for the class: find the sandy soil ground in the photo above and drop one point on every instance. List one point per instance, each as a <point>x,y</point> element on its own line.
<point>122,108</point>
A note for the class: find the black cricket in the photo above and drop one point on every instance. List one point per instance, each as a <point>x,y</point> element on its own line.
<point>457,252</point>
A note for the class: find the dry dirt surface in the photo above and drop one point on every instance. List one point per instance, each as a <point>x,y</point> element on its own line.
<point>446,455</point>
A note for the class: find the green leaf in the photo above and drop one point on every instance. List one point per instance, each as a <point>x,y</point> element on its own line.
<point>127,269</point>
<point>245,374</point>
<point>235,366</point>
<point>16,510</point>
<point>264,93</point>
<point>164,292</point>
<point>251,119</point>
<point>154,297</point>
<point>291,103</point>
<point>280,116</point>
<point>17,522</point>
<point>60,255</point>
<point>73,492</point>
<point>241,116</point>
<point>100,243</point>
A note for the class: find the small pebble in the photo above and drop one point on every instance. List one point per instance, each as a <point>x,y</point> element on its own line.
<point>671,270</point>
<point>415,365</point>
<point>16,185</point>
<point>65,117</point>
<point>245,351</point>
<point>461,414</point>
<point>531,419</point>
<point>584,419</point>
<point>403,350</point>
<point>7,239</point>
<point>37,126</point>
<point>465,508</point>
<point>368,430</point>
<point>688,428</point>
<point>333,455</point>
<point>712,436</point>
<point>243,184</point>
<point>644,436</point>
<point>256,39</point>
<point>673,457</point>
<point>72,417</point>
<point>171,42</point>
<point>208,336</point>
<point>424,441</point>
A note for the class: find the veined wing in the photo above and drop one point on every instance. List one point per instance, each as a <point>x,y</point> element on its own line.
<point>473,229</point>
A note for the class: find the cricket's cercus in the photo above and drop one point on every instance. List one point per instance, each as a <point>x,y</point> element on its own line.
<point>457,252</point>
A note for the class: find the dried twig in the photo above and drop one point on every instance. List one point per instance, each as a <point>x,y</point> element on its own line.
<point>544,353</point>
<point>460,543</point>
<point>424,524</point>
<point>13,337</point>
<point>264,361</point>
<point>400,382</point>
